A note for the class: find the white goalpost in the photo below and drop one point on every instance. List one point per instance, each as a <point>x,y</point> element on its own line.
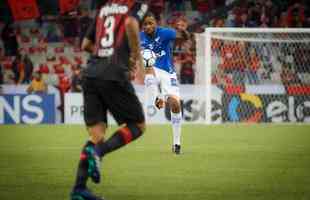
<point>254,75</point>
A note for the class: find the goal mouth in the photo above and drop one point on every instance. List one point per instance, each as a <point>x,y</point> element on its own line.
<point>255,75</point>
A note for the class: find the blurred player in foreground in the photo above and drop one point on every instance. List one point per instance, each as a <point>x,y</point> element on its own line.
<point>113,41</point>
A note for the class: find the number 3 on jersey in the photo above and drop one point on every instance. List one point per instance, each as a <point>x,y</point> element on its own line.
<point>108,39</point>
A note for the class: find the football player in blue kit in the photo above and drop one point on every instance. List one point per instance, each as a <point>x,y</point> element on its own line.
<point>162,74</point>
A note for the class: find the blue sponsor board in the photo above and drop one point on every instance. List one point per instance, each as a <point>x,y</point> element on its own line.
<point>27,109</point>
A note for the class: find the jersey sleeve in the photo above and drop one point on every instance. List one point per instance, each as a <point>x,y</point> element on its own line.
<point>141,36</point>
<point>142,40</point>
<point>138,11</point>
<point>91,31</point>
<point>170,33</point>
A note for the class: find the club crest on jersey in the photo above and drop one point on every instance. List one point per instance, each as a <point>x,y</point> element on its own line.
<point>173,82</point>
<point>113,9</point>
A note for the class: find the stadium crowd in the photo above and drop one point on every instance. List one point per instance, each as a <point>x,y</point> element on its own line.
<point>49,47</point>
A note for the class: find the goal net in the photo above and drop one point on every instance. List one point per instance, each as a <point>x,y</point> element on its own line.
<point>255,75</point>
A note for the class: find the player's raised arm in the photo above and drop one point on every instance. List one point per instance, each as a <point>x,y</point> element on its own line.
<point>132,31</point>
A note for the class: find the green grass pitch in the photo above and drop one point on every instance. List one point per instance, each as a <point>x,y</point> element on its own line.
<point>222,162</point>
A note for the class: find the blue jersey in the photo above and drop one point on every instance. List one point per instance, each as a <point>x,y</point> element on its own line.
<point>161,44</point>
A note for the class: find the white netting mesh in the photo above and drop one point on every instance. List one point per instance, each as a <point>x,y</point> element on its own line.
<point>261,58</point>
<point>264,75</point>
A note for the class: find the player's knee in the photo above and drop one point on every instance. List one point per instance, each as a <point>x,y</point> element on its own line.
<point>174,104</point>
<point>136,129</point>
<point>141,126</point>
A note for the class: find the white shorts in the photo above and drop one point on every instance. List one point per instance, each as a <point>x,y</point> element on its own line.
<point>168,83</point>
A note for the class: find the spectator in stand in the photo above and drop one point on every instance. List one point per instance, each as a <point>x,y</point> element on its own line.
<point>179,41</point>
<point>184,42</point>
<point>226,54</point>
<point>296,15</point>
<point>203,8</point>
<point>240,63</point>
<point>70,28</point>
<point>1,74</point>
<point>8,77</point>
<point>271,12</point>
<point>185,48</point>
<point>254,13</point>
<point>18,68</point>
<point>64,84</point>
<point>187,73</point>
<point>10,41</point>
<point>219,22</point>
<point>265,20</point>
<point>220,78</point>
<point>288,76</point>
<point>76,85</point>
<point>15,68</point>
<point>59,69</point>
<point>265,54</point>
<point>177,5</point>
<point>63,87</point>
<point>252,66</point>
<point>196,26</point>
<point>84,22</point>
<point>282,22</point>
<point>52,32</point>
<point>246,20</point>
<point>302,62</point>
<point>157,7</point>
<point>233,61</point>
<point>28,69</point>
<point>230,21</point>
<point>307,23</point>
<point>43,68</point>
<point>37,84</point>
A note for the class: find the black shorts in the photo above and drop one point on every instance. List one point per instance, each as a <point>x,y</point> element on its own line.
<point>117,97</point>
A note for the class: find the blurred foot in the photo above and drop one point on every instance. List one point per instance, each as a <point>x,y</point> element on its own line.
<point>83,194</point>
<point>176,149</point>
<point>93,164</point>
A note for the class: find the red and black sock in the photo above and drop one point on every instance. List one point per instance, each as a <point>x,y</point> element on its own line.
<point>120,138</point>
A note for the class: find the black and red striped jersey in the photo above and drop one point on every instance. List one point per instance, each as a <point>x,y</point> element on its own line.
<point>110,59</point>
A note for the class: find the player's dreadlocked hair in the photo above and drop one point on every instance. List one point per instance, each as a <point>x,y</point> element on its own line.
<point>149,14</point>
